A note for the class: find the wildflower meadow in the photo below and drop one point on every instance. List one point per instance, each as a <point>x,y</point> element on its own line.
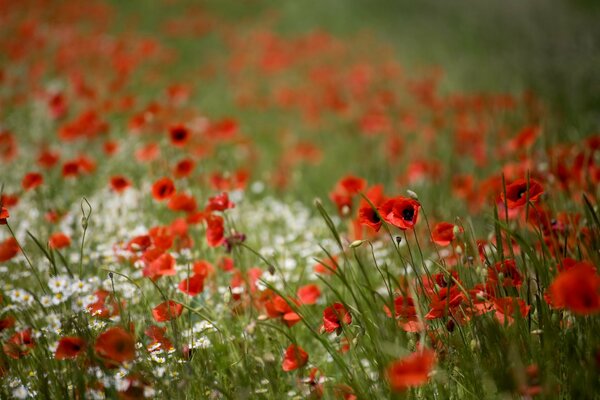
<point>299,199</point>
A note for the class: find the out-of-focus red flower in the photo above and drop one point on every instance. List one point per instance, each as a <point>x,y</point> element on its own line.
<point>443,233</point>
<point>8,249</point>
<point>115,344</point>
<point>59,240</point>
<point>4,215</point>
<point>411,371</point>
<point>163,189</point>
<point>309,294</point>
<point>445,302</point>
<point>184,168</point>
<point>219,202</point>
<point>295,357</point>
<point>510,274</point>
<point>334,317</point>
<point>327,267</point>
<point>167,311</point>
<point>517,193</point>
<point>215,230</point>
<point>576,289</point>
<point>508,307</point>
<point>119,183</point>
<point>69,347</point>
<point>159,340</point>
<point>179,135</point>
<point>32,180</point>
<point>192,286</point>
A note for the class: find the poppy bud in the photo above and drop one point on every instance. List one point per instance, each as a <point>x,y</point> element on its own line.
<point>398,240</point>
<point>357,243</point>
<point>412,195</point>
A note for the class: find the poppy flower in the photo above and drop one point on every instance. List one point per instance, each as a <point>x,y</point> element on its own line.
<point>8,249</point>
<point>507,307</point>
<point>214,231</point>
<point>179,135</point>
<point>352,184</point>
<point>295,357</point>
<point>517,193</point>
<point>115,344</point>
<point>48,158</point>
<point>31,181</point>
<point>167,311</point>
<point>19,344</point>
<point>69,347</point>
<point>277,307</point>
<point>164,264</point>
<point>368,216</point>
<point>59,240</point>
<point>148,153</point>
<point>4,215</point>
<point>162,189</point>
<point>334,317</point>
<point>7,322</point>
<point>192,286</point>
<point>576,289</point>
<point>119,183</point>
<point>184,168</point>
<point>327,267</point>
<point>445,302</point>
<point>70,169</point>
<point>159,341</point>
<point>308,294</point>
<point>182,202</point>
<point>443,233</point>
<point>511,275</point>
<point>411,371</point>
<point>401,212</point>
<point>219,202</point>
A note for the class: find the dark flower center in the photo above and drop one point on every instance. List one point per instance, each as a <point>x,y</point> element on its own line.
<point>408,214</point>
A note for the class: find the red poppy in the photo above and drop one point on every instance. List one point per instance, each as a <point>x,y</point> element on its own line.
<point>69,347</point>
<point>159,341</point>
<point>167,311</point>
<point>445,302</point>
<point>443,233</point>
<point>184,168</point>
<point>411,371</point>
<point>334,317</point>
<point>70,169</point>
<point>507,307</point>
<point>214,230</point>
<point>219,202</point>
<point>309,294</point>
<point>277,307</point>
<point>115,344</point>
<point>327,267</point>
<point>148,153</point>
<point>32,180</point>
<point>8,249</point>
<point>368,216</point>
<point>352,184</point>
<point>295,357</point>
<point>517,193</point>
<point>4,215</point>
<point>164,264</point>
<point>182,202</point>
<point>510,273</point>
<point>400,211</point>
<point>192,286</point>
<point>406,313</point>
<point>19,344</point>
<point>48,159</point>
<point>7,322</point>
<point>59,240</point>
<point>179,135</point>
<point>226,264</point>
<point>577,289</point>
<point>162,189</point>
<point>119,183</point>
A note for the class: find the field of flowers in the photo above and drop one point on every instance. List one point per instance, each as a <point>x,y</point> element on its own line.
<point>213,200</point>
